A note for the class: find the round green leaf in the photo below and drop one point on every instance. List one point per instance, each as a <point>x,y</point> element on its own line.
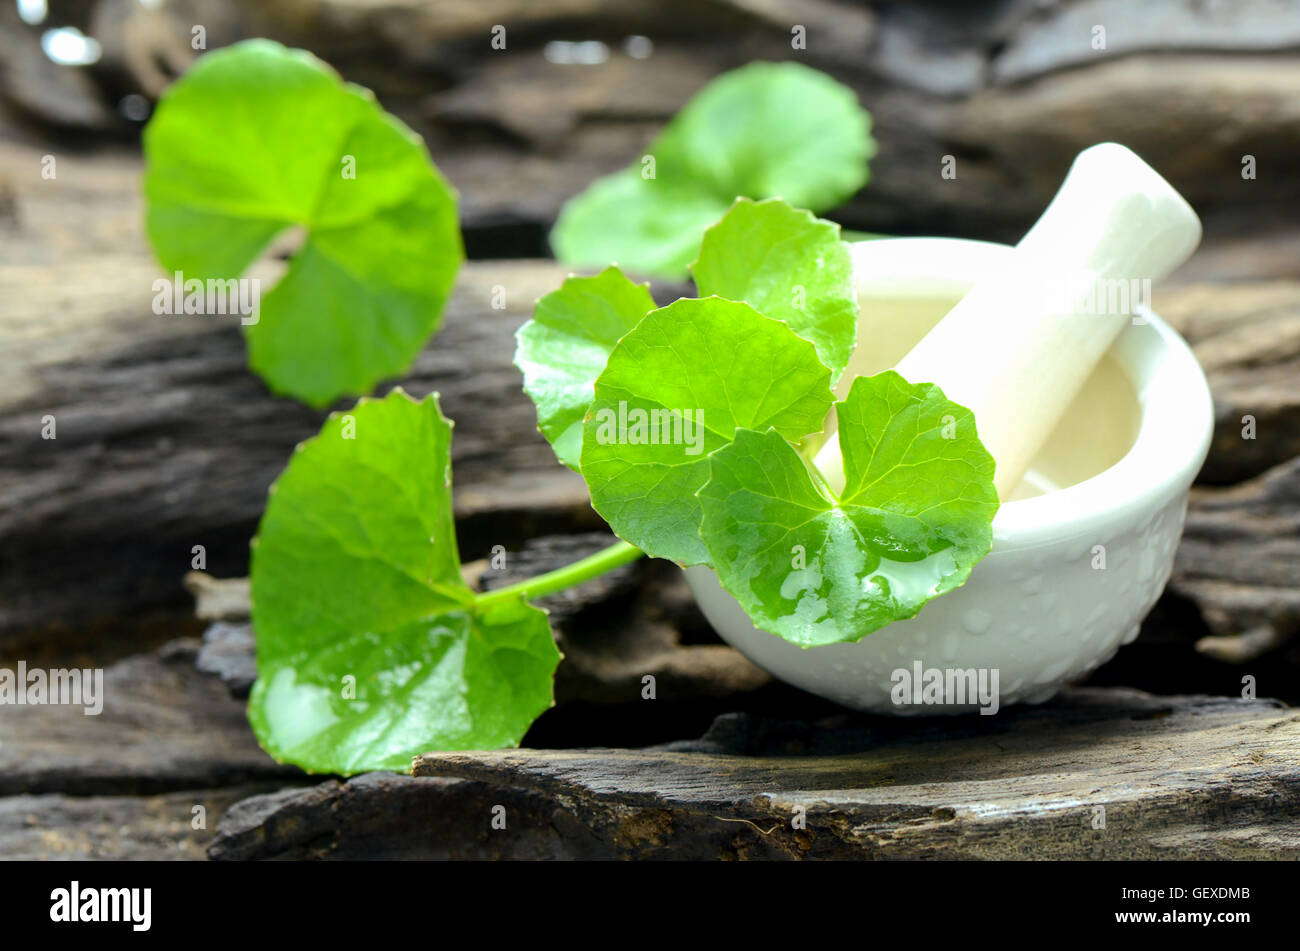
<point>693,373</point>
<point>254,139</point>
<point>761,131</point>
<point>652,226</point>
<point>912,522</point>
<point>788,264</point>
<point>771,130</point>
<point>564,347</point>
<point>370,647</point>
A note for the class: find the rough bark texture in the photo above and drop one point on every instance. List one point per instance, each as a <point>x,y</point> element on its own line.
<point>1240,562</point>
<point>1110,774</point>
<point>163,827</point>
<point>1012,89</point>
<point>164,727</point>
<point>1247,337</point>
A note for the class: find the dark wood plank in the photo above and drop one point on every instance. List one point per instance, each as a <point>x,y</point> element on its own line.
<point>164,727</point>
<point>158,828</point>
<point>1174,777</point>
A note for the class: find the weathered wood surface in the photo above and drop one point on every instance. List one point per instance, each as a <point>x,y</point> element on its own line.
<point>164,727</point>
<point>125,784</point>
<point>1247,337</point>
<point>154,828</point>
<point>1239,559</point>
<point>1173,777</point>
<point>383,816</point>
<point>1193,777</point>
<point>1012,89</point>
<point>1240,562</point>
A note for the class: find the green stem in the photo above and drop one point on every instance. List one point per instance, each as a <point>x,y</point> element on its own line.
<point>607,559</point>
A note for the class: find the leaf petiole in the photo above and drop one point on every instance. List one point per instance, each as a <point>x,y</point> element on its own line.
<point>607,559</point>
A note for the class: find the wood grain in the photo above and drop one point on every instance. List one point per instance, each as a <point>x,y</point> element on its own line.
<point>1174,777</point>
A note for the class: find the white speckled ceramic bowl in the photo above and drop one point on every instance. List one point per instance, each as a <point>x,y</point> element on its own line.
<point>1038,608</point>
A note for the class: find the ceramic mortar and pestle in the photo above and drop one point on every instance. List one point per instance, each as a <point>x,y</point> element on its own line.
<point>1095,411</point>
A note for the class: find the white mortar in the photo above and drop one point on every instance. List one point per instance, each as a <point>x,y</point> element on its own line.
<point>1035,608</point>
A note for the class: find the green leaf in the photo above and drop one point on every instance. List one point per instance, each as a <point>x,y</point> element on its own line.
<point>721,366</point>
<point>648,225</point>
<point>788,264</point>
<point>761,131</point>
<point>564,347</point>
<point>913,520</point>
<point>355,575</point>
<point>255,139</point>
<point>772,130</point>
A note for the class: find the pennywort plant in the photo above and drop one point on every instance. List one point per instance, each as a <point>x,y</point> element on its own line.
<point>256,139</point>
<point>761,131</point>
<point>693,425</point>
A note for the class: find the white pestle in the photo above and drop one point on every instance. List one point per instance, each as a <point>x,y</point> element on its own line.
<point>1019,346</point>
